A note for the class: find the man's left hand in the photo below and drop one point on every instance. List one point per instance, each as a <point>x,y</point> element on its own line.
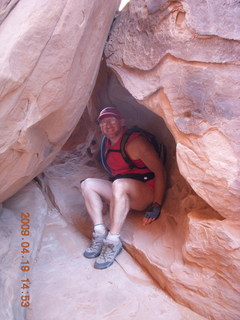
<point>152,213</point>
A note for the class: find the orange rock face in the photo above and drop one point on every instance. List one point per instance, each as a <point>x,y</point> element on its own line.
<point>49,58</point>
<point>191,79</point>
<point>182,62</point>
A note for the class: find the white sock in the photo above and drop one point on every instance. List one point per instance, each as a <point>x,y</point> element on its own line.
<point>100,229</point>
<point>113,237</point>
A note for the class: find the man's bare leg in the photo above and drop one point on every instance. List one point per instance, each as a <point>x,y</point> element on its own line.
<point>127,194</point>
<point>93,191</point>
<point>122,194</point>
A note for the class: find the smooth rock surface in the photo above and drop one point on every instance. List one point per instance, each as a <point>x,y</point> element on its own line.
<point>176,60</point>
<point>27,208</point>
<point>66,285</point>
<point>49,59</point>
<point>181,63</point>
<point>189,75</point>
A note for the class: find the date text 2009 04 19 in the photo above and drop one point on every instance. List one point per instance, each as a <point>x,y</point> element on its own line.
<point>25,265</point>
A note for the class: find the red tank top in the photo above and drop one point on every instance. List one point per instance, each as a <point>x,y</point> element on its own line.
<point>116,162</point>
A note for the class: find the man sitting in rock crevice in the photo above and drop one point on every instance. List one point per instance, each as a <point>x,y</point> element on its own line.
<point>124,191</point>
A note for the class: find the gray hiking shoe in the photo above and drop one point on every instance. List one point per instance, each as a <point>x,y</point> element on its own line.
<point>109,252</point>
<point>96,246</point>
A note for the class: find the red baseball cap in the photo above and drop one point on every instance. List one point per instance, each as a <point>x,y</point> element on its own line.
<point>109,112</point>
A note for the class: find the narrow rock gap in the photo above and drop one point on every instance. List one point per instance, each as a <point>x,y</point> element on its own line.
<point>190,250</point>
<point>79,159</point>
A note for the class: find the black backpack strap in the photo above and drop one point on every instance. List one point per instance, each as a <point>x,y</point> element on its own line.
<point>160,148</point>
<point>162,151</point>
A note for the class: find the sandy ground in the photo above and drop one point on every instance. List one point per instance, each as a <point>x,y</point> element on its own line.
<point>66,286</point>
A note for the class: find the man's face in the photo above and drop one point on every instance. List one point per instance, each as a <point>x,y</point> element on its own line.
<point>111,127</point>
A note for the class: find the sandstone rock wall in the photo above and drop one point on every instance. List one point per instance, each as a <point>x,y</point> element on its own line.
<point>181,60</point>
<point>175,59</point>
<point>26,208</point>
<point>49,59</point>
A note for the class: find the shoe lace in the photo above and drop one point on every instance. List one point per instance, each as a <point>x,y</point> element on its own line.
<point>96,242</point>
<point>107,251</point>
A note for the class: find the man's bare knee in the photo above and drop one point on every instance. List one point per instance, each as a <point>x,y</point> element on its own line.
<point>119,186</point>
<point>140,194</point>
<point>86,184</point>
<point>97,186</point>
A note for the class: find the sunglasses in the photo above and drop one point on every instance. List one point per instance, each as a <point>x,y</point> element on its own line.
<point>104,122</point>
